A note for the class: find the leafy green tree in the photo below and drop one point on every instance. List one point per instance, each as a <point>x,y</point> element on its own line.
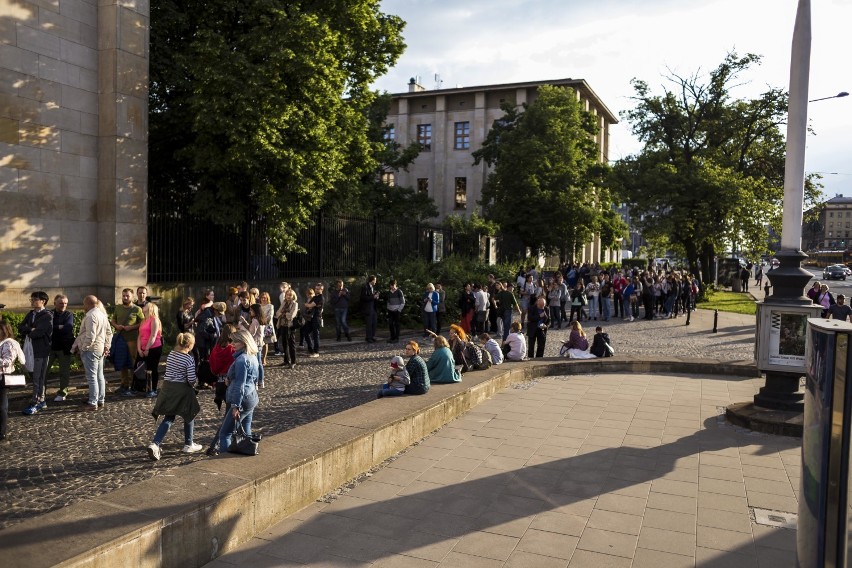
<point>369,195</point>
<point>711,171</point>
<point>258,107</point>
<point>546,184</point>
<point>468,232</point>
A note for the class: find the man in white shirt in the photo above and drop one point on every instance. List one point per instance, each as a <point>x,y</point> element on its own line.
<point>480,297</point>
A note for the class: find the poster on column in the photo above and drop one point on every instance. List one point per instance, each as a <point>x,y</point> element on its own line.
<point>787,338</point>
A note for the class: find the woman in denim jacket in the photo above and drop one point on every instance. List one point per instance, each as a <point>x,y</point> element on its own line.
<point>242,388</point>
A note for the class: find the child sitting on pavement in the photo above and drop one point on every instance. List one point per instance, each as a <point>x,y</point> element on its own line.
<point>397,380</point>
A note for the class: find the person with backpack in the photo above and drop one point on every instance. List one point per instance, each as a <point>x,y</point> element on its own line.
<point>601,346</point>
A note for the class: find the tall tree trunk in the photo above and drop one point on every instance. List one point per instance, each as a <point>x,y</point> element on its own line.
<point>708,252</point>
<point>692,258</point>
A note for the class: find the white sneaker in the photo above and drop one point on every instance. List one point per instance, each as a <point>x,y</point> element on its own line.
<point>631,318</point>
<point>59,398</point>
<point>192,448</point>
<point>154,451</point>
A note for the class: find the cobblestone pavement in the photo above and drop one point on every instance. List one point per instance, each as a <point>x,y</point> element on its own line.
<point>61,455</point>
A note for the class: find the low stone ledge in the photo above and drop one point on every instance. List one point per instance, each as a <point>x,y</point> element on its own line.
<point>214,505</point>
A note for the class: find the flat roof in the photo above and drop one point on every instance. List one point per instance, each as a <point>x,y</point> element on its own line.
<point>526,84</point>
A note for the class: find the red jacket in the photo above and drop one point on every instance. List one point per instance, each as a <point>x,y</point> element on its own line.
<point>221,359</point>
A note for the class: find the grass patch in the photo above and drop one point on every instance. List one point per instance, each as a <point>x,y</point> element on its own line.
<point>735,302</point>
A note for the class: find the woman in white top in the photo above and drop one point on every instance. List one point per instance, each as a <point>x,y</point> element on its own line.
<point>10,351</point>
<point>269,337</point>
<point>515,345</point>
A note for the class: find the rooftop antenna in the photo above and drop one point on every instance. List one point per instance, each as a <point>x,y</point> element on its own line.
<point>438,82</point>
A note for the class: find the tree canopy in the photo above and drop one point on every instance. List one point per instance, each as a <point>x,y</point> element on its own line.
<point>259,107</point>
<point>369,195</point>
<point>546,184</point>
<point>711,171</point>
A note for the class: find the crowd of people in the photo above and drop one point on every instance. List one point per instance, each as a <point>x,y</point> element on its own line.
<point>499,321</point>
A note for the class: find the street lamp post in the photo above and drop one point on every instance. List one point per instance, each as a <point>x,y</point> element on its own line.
<point>782,317</point>
<point>839,95</point>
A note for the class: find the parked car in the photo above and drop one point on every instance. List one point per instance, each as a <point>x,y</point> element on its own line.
<point>835,271</point>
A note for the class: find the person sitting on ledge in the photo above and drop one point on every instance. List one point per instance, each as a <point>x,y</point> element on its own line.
<point>515,345</point>
<point>441,365</point>
<point>577,346</point>
<point>417,371</point>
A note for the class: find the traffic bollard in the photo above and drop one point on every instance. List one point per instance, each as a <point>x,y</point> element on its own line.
<point>715,321</point>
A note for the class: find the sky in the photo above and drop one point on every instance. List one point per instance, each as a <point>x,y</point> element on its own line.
<point>610,42</point>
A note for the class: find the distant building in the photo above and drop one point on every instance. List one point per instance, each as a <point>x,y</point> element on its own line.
<point>832,229</point>
<point>451,124</point>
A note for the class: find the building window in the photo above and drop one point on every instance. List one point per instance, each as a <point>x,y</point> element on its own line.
<point>461,193</point>
<point>423,185</point>
<point>388,179</point>
<point>424,137</point>
<point>462,136</point>
<point>831,213</point>
<point>390,133</point>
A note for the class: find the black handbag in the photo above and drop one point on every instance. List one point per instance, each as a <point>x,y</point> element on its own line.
<point>243,444</point>
<point>141,371</point>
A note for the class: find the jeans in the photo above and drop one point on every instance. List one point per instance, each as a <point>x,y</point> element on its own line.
<point>625,307</point>
<point>370,319</point>
<point>606,304</point>
<point>593,307</point>
<point>93,365</point>
<point>555,316</point>
<point>39,377</point>
<point>439,318</point>
<point>260,367</point>
<point>64,369</point>
<point>390,391</point>
<point>340,322</point>
<point>430,322</point>
<point>127,374</point>
<point>287,338</point>
<point>229,425</point>
<point>4,410</point>
<point>393,324</point>
<point>312,337</point>
<point>619,303</point>
<point>163,429</point>
<point>535,335</point>
<point>507,322</point>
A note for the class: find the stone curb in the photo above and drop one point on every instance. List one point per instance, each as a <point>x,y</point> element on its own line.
<point>212,506</point>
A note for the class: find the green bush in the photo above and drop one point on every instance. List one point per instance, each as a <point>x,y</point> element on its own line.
<point>640,263</point>
<point>413,275</point>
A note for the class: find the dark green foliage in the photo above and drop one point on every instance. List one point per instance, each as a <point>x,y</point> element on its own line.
<point>258,107</point>
<point>711,172</point>
<point>368,196</point>
<point>546,186</point>
<point>413,275</point>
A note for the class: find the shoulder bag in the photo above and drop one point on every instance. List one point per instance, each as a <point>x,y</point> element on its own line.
<point>244,444</point>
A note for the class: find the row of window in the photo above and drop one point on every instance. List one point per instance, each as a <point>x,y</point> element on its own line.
<point>839,223</point>
<point>389,179</point>
<point>840,214</point>
<point>831,234</point>
<point>424,136</point>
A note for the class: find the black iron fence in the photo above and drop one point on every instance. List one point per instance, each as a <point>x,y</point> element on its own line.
<point>183,248</point>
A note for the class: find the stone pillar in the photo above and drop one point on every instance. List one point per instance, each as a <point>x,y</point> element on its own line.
<point>122,212</point>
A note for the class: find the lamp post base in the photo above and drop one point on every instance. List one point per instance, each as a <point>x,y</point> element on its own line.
<point>781,392</point>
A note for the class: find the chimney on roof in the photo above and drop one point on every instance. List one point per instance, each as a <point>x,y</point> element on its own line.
<point>414,86</point>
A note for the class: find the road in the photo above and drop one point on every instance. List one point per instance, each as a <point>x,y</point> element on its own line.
<point>836,286</point>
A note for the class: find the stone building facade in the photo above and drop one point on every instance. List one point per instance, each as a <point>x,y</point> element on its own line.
<point>832,229</point>
<point>451,124</point>
<point>73,147</point>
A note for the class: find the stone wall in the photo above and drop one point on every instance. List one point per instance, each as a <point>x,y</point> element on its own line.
<point>73,147</point>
